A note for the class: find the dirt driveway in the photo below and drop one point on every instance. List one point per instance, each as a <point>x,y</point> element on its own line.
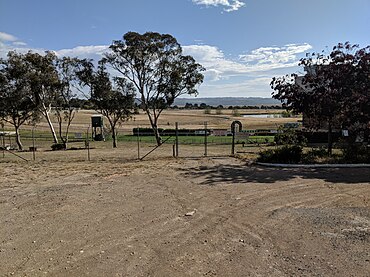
<point>185,217</point>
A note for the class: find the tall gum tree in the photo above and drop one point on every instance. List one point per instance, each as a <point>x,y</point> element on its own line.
<point>64,107</point>
<point>45,83</point>
<point>154,63</point>
<point>112,97</point>
<point>16,99</point>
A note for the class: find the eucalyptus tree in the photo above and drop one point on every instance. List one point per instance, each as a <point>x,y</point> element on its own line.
<point>154,63</point>
<point>45,84</point>
<point>17,105</point>
<point>112,97</point>
<point>64,101</point>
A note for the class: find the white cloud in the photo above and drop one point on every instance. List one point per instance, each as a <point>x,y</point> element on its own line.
<point>7,37</point>
<point>262,59</point>
<point>229,5</point>
<point>213,59</point>
<point>248,74</point>
<point>254,87</point>
<point>19,43</point>
<point>272,57</point>
<point>84,51</point>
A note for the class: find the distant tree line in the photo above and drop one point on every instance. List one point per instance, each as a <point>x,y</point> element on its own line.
<point>203,106</point>
<point>86,104</point>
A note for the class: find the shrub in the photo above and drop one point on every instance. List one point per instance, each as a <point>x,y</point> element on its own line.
<point>284,154</point>
<point>288,136</point>
<point>286,114</point>
<point>236,113</point>
<point>58,146</point>
<point>356,153</point>
<point>314,154</point>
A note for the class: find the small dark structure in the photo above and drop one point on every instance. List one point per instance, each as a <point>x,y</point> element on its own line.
<point>97,127</point>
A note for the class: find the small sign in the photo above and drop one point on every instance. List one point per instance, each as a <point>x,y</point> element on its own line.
<point>345,133</point>
<point>78,135</point>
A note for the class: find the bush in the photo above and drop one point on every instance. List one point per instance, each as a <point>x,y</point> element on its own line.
<point>236,113</point>
<point>285,154</point>
<point>286,114</point>
<point>58,146</point>
<point>356,153</point>
<point>288,136</point>
<point>314,154</point>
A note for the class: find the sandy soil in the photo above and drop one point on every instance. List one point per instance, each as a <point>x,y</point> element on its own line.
<point>184,217</point>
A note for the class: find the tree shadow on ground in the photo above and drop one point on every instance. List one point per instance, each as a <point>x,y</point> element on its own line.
<point>238,174</point>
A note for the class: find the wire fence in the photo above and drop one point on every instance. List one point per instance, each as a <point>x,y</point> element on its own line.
<point>81,146</point>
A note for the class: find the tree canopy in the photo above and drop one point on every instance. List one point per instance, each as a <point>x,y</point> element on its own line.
<point>17,103</point>
<point>113,97</point>
<point>334,90</point>
<point>154,63</point>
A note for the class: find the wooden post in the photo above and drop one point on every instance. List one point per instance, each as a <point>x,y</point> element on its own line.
<point>205,139</point>
<point>33,144</point>
<point>3,140</point>
<point>138,143</point>
<point>233,143</point>
<point>88,143</point>
<point>177,140</point>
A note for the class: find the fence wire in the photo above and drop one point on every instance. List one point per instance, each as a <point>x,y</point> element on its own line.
<point>37,145</point>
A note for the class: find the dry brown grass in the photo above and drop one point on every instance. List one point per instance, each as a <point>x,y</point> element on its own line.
<point>185,118</point>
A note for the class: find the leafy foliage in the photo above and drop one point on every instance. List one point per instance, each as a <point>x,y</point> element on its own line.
<point>64,101</point>
<point>285,154</point>
<point>154,63</point>
<point>289,136</point>
<point>44,82</point>
<point>17,103</point>
<point>334,90</point>
<point>112,97</point>
<point>356,153</point>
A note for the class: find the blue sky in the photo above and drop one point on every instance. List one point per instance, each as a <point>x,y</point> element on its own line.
<point>242,43</point>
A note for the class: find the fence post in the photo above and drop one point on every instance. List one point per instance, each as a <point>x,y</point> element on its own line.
<point>177,140</point>
<point>205,139</point>
<point>33,144</point>
<point>88,143</point>
<point>3,140</point>
<point>138,143</point>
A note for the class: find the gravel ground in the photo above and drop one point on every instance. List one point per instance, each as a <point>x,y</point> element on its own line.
<point>182,217</point>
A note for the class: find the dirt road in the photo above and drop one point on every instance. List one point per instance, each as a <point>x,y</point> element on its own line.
<point>185,217</point>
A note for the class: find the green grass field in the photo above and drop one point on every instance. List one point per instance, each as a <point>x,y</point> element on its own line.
<point>200,139</point>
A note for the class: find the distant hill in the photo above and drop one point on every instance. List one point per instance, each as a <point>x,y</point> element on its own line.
<point>228,101</point>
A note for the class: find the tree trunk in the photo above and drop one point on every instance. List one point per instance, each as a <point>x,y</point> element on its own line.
<point>55,138</point>
<point>114,137</point>
<point>18,138</point>
<point>158,138</point>
<point>153,123</point>
<point>330,138</point>
<point>45,112</point>
<point>64,141</point>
